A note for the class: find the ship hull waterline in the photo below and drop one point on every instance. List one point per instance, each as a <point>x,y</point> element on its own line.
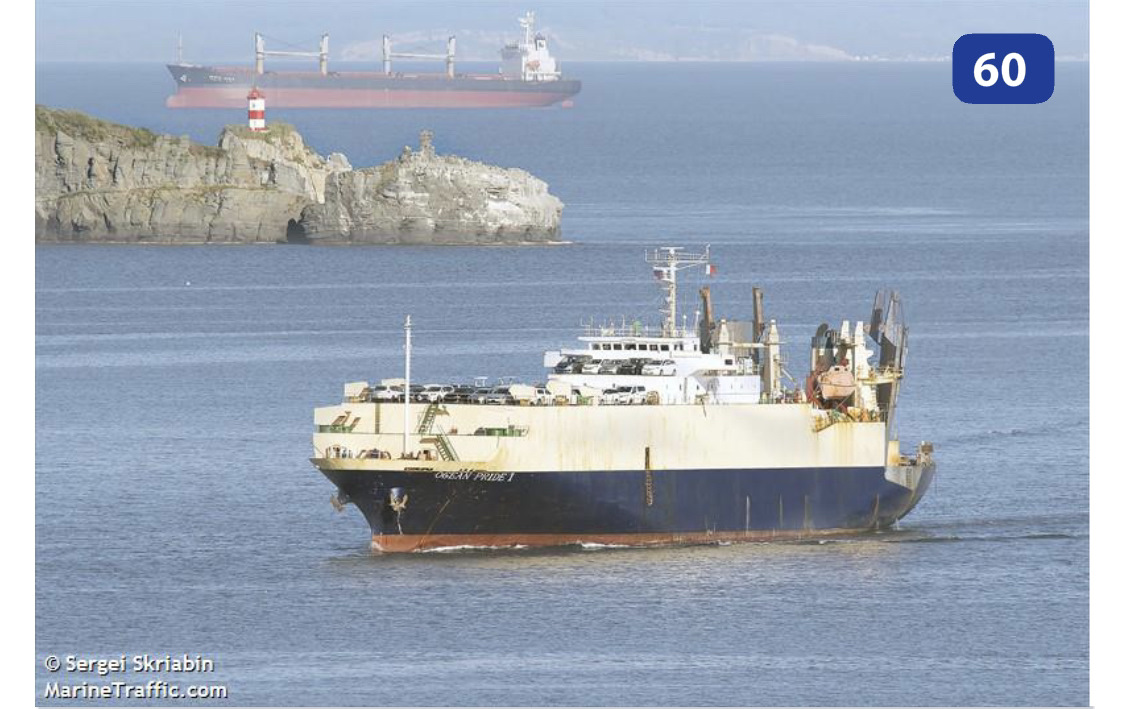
<point>213,87</point>
<point>359,98</point>
<point>411,511</point>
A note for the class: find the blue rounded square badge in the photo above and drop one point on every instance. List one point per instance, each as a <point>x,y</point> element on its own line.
<point>1003,68</point>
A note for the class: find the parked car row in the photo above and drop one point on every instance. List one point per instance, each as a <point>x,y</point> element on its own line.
<point>467,394</point>
<point>447,393</point>
<point>585,365</point>
<point>497,395</point>
<point>625,395</point>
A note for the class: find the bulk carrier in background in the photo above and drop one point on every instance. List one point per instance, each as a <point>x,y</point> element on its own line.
<point>640,435</point>
<point>529,76</point>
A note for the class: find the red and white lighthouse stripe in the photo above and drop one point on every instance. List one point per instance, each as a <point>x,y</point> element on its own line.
<point>256,110</point>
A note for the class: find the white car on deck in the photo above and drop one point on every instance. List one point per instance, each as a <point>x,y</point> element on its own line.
<point>663,368</point>
<point>592,367</point>
<point>434,392</point>
<point>384,392</point>
<point>633,395</point>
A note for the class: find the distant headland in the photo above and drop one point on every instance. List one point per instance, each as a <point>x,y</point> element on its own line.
<point>101,182</point>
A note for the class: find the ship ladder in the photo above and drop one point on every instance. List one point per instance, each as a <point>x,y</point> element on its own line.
<point>438,438</point>
<point>444,446</point>
<point>428,416</point>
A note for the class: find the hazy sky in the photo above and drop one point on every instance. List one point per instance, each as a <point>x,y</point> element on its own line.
<point>221,31</point>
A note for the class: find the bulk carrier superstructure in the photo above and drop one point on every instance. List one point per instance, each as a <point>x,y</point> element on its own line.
<point>639,436</point>
<point>529,76</point>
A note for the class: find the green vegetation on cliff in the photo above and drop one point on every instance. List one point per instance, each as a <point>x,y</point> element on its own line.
<point>80,125</point>
<point>276,133</point>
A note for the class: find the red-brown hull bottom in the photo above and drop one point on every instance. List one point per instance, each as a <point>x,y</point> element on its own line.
<point>348,98</point>
<point>393,543</point>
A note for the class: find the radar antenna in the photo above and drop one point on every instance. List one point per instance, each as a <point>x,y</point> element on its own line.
<point>666,262</point>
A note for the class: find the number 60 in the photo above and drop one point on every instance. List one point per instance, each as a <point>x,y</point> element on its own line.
<point>981,67</point>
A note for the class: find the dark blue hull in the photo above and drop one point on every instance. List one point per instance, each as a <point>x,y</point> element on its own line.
<point>423,509</point>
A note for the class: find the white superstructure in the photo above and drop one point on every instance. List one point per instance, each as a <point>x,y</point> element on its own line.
<point>710,396</point>
<point>672,363</point>
<point>529,59</point>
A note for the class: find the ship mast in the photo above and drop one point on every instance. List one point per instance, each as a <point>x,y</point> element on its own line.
<point>528,24</point>
<point>406,393</point>
<point>667,261</point>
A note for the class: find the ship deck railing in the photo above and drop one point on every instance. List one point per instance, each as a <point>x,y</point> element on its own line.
<point>830,417</point>
<point>398,463</point>
<point>578,400</point>
<point>635,330</point>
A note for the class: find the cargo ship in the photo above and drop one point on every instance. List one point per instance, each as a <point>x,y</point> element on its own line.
<point>640,435</point>
<point>529,76</point>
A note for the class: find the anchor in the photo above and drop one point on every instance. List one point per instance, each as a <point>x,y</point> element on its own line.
<point>398,500</point>
<point>339,500</point>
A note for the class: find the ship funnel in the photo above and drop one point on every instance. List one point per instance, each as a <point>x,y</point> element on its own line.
<point>708,322</point>
<point>759,320</point>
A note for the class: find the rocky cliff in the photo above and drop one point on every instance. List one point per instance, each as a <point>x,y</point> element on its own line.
<point>425,198</point>
<point>102,182</point>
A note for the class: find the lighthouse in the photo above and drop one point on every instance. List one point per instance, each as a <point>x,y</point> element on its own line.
<point>256,110</point>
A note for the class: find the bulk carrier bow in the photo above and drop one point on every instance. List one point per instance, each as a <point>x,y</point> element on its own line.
<point>640,436</point>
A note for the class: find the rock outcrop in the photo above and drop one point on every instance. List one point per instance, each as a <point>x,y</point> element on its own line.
<point>425,198</point>
<point>102,182</point>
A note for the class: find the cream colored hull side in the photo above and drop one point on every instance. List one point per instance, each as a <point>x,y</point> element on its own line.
<point>566,438</point>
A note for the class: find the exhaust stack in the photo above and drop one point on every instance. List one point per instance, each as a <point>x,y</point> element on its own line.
<point>707,324</point>
<point>759,322</point>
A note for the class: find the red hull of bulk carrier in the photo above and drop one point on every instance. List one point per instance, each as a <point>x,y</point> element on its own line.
<point>227,87</point>
<point>230,97</point>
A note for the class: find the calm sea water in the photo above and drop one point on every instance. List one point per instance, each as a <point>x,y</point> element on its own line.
<point>176,510</point>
